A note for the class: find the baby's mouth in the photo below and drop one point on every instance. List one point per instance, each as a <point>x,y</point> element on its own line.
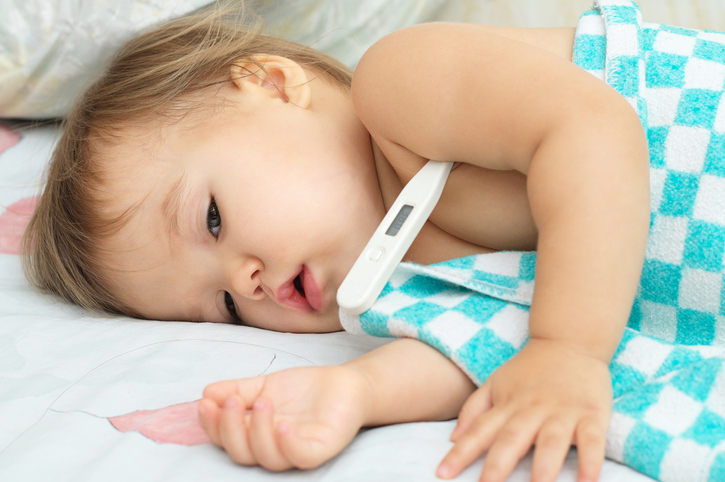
<point>298,284</point>
<point>294,293</point>
<point>301,292</point>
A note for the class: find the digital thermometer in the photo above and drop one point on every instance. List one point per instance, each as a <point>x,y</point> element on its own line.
<point>406,217</point>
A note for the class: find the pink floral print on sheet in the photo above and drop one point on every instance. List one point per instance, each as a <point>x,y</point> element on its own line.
<point>13,223</point>
<point>8,137</point>
<point>176,424</point>
<point>16,216</point>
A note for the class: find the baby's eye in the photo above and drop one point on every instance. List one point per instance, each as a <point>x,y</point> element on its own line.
<point>229,302</point>
<point>213,219</point>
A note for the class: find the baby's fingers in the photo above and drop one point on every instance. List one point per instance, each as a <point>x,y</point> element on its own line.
<point>306,452</point>
<point>262,438</point>
<point>512,442</point>
<point>591,445</point>
<point>233,432</point>
<point>552,445</point>
<point>478,403</point>
<point>470,445</point>
<point>247,388</point>
<point>209,419</point>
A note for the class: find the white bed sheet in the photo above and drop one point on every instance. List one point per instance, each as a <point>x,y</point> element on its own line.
<point>65,372</point>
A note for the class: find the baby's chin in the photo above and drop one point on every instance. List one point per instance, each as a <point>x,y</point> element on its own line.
<point>328,322</point>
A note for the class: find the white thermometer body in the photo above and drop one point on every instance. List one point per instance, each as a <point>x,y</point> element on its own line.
<point>391,240</point>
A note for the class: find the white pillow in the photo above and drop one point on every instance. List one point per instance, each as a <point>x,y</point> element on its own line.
<point>51,49</point>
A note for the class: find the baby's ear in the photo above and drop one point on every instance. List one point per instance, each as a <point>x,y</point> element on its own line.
<point>282,77</point>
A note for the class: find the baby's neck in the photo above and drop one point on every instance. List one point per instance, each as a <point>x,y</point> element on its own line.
<point>390,185</point>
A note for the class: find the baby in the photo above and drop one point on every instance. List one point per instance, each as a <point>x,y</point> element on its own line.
<point>217,174</point>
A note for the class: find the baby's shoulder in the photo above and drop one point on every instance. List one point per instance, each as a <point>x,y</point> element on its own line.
<point>433,43</point>
<point>435,60</point>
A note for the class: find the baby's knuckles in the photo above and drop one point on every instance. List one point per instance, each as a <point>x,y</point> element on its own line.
<point>553,433</point>
<point>478,403</point>
<point>591,430</point>
<point>219,392</point>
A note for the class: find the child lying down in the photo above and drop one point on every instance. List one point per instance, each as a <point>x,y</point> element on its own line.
<point>217,174</point>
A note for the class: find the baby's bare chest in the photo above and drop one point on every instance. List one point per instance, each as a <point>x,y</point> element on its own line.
<point>480,210</point>
<point>487,208</point>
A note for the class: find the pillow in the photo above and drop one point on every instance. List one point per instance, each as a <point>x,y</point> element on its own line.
<point>51,49</point>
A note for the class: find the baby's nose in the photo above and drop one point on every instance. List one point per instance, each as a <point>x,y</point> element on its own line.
<point>245,277</point>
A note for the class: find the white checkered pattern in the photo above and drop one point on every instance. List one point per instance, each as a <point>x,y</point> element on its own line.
<point>403,329</point>
<point>700,290</point>
<point>620,427</point>
<point>704,74</point>
<point>667,241</point>
<point>657,178</point>
<point>632,357</point>
<point>664,320</point>
<point>511,324</point>
<point>397,300</point>
<point>710,201</point>
<point>662,105</point>
<point>440,327</point>
<point>671,400</point>
<point>682,449</point>
<point>719,125</point>
<point>717,394</point>
<point>674,44</point>
<point>504,263</point>
<point>686,148</point>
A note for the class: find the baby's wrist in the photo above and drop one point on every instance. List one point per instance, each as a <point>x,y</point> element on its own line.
<point>356,373</point>
<point>573,347</point>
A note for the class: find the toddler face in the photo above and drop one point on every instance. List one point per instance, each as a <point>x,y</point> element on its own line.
<point>259,210</point>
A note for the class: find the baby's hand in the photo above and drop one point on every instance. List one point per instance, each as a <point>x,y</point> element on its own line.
<point>296,418</point>
<point>548,395</point>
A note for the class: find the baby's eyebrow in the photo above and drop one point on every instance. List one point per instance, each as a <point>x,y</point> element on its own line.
<point>171,206</point>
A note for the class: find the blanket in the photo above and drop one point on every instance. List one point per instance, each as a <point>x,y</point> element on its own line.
<point>668,417</point>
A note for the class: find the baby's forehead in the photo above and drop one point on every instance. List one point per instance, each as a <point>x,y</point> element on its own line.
<point>135,177</point>
<point>136,156</point>
<point>138,251</point>
<point>128,172</point>
<point>142,170</point>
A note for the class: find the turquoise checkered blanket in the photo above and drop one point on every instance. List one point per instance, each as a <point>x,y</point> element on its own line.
<point>668,418</point>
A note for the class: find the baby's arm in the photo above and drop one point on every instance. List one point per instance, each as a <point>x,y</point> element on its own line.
<point>303,417</point>
<point>459,93</point>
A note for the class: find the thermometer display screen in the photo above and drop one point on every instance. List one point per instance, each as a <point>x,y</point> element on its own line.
<point>399,220</point>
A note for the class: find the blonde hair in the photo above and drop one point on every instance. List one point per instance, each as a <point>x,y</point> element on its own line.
<point>154,75</point>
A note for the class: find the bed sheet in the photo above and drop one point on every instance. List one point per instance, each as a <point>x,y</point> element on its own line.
<point>86,397</point>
